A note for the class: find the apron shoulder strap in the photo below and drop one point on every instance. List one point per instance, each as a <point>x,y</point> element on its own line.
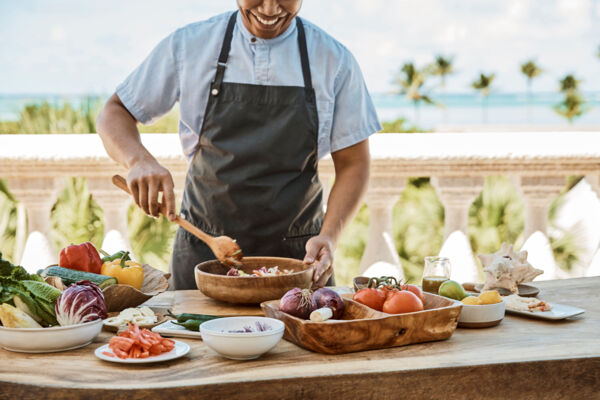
<point>222,62</point>
<point>226,47</point>
<point>303,54</point>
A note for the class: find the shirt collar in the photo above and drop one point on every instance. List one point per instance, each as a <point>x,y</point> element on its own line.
<point>249,36</point>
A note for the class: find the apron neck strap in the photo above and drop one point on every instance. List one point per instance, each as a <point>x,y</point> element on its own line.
<point>226,47</point>
<point>303,54</point>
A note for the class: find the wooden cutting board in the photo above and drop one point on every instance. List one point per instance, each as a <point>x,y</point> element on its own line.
<point>193,301</point>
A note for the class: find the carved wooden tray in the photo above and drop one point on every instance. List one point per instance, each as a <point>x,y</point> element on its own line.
<point>363,328</point>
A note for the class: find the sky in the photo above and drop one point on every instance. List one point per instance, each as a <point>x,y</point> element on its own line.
<point>86,47</point>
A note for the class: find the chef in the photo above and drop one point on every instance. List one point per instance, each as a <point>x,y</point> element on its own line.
<point>263,95</point>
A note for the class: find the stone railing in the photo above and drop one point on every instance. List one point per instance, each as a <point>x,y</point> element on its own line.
<point>457,163</point>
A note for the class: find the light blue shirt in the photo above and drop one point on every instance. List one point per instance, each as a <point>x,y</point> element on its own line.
<point>183,65</point>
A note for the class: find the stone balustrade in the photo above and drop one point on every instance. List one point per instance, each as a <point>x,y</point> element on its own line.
<point>537,162</point>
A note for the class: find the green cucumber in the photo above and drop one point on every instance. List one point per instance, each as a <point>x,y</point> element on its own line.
<point>70,276</point>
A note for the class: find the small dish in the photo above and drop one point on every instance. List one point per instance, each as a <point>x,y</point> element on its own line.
<point>170,329</point>
<point>558,311</point>
<point>241,346</point>
<point>49,340</point>
<point>115,328</point>
<point>180,350</point>
<point>481,316</point>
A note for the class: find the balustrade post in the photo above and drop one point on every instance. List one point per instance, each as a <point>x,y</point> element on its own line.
<point>457,194</point>
<point>382,195</point>
<point>538,192</point>
<point>594,181</point>
<point>593,269</point>
<point>38,195</point>
<point>115,204</point>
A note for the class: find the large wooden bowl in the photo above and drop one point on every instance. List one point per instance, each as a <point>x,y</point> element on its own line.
<point>211,279</point>
<point>362,328</point>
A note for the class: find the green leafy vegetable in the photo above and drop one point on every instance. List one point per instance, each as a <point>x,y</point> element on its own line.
<point>35,297</point>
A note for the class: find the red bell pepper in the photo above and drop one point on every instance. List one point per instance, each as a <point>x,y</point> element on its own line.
<point>82,257</point>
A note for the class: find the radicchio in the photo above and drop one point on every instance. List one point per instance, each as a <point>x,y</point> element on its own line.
<point>79,303</point>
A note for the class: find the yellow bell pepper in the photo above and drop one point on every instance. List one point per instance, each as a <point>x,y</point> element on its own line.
<point>127,272</point>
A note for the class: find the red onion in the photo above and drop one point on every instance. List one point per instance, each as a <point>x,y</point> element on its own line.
<point>297,302</point>
<point>325,297</point>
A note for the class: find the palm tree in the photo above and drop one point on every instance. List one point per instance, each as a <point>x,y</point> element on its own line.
<point>531,70</point>
<point>442,67</point>
<point>571,107</point>
<point>483,85</point>
<point>569,85</point>
<point>411,81</point>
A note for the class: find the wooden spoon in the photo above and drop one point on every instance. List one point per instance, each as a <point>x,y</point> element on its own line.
<point>225,248</point>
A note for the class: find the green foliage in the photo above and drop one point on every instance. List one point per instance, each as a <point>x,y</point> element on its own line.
<point>442,67</point>
<point>418,226</point>
<point>8,221</point>
<point>167,124</point>
<point>398,126</point>
<point>569,85</point>
<point>483,83</point>
<point>531,70</point>
<point>572,107</point>
<point>496,216</point>
<point>46,118</point>
<point>75,217</point>
<point>351,246</point>
<point>411,81</point>
<point>151,238</point>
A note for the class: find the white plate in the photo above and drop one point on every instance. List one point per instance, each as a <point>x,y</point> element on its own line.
<point>559,311</point>
<point>48,340</point>
<point>169,329</point>
<point>180,350</point>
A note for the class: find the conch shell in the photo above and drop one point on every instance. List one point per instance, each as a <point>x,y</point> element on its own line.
<point>507,269</point>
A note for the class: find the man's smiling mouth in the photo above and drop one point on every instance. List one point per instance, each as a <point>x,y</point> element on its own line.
<point>268,22</point>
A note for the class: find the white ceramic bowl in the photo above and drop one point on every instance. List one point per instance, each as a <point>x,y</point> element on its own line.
<point>482,316</point>
<point>241,346</point>
<point>48,340</point>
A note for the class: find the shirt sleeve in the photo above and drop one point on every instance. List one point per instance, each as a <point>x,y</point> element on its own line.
<point>354,115</point>
<point>152,89</point>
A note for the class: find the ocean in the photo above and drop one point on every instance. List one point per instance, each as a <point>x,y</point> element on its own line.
<point>453,109</point>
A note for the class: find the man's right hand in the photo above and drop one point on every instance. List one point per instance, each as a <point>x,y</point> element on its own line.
<point>146,178</point>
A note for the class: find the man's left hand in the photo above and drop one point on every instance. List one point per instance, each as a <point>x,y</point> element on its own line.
<point>319,250</point>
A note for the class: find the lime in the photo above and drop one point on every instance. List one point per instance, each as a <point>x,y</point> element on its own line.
<point>453,290</point>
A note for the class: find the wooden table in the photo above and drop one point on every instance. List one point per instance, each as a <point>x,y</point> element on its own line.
<point>521,358</point>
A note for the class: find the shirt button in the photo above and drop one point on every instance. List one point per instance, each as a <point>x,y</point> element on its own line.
<point>253,40</point>
<point>214,92</point>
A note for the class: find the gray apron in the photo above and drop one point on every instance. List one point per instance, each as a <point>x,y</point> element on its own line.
<point>254,173</point>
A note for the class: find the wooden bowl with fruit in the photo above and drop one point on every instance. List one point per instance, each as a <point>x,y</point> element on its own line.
<point>258,279</point>
<point>124,282</point>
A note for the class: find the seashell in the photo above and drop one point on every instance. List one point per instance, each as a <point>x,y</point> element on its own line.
<point>507,269</point>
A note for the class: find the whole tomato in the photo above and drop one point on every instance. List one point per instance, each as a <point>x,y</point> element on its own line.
<point>370,297</point>
<point>416,290</point>
<point>388,290</point>
<point>402,302</point>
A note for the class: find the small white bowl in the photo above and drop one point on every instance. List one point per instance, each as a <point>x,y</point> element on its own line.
<point>481,316</point>
<point>49,340</point>
<point>241,346</point>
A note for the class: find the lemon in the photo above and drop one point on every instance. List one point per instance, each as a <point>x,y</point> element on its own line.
<point>490,297</point>
<point>472,301</point>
